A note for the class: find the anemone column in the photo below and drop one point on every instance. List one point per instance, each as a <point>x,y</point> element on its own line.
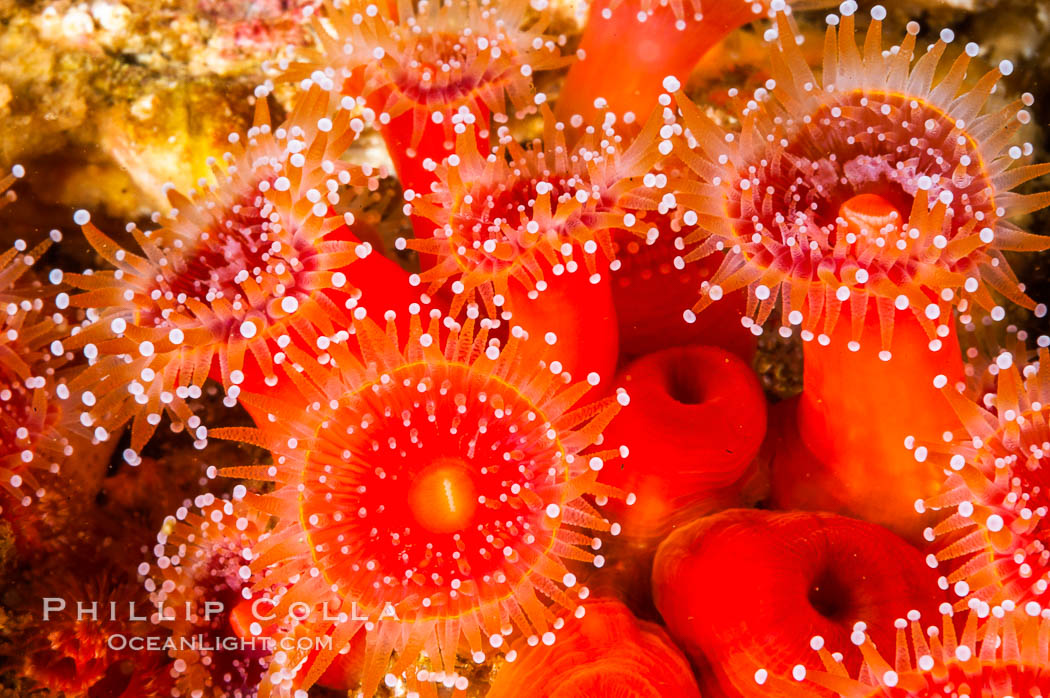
<point>649,41</point>
<point>856,417</point>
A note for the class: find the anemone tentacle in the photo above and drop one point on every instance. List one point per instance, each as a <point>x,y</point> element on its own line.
<point>987,652</point>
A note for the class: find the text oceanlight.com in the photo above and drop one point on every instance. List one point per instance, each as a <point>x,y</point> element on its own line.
<point>204,643</point>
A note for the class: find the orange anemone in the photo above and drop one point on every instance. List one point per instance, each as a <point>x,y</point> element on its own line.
<point>436,488</point>
<point>996,543</point>
<point>526,231</point>
<point>428,70</point>
<point>256,262</point>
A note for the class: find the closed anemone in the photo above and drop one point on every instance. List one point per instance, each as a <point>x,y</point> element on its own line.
<point>439,484</point>
<point>766,581</point>
<point>603,652</point>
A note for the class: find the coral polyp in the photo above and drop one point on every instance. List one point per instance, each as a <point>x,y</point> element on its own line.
<point>198,579</point>
<point>255,262</point>
<point>995,545</point>
<point>986,652</point>
<point>435,486</point>
<point>885,182</point>
<point>429,69</point>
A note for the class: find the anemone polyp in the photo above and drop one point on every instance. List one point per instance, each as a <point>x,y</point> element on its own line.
<point>987,651</point>
<point>38,431</point>
<point>429,69</point>
<point>995,545</point>
<point>509,215</point>
<point>197,580</point>
<point>437,488</point>
<point>876,182</point>
<point>256,261</point>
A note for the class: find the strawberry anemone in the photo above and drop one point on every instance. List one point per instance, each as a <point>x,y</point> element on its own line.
<point>38,428</point>
<point>696,421</point>
<point>202,584</point>
<point>427,70</point>
<point>603,653</point>
<point>438,489</point>
<point>880,193</point>
<point>199,577</point>
<point>996,542</point>
<point>523,230</point>
<point>78,643</point>
<point>255,262</point>
<point>988,652</point>
<point>765,582</point>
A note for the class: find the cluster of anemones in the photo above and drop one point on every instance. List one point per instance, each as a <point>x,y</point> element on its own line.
<point>445,448</point>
